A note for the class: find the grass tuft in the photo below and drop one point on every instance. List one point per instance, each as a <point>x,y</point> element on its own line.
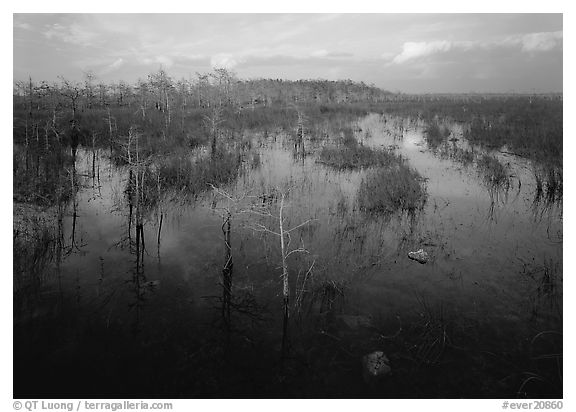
<point>436,134</point>
<point>493,172</point>
<point>391,189</point>
<point>355,157</point>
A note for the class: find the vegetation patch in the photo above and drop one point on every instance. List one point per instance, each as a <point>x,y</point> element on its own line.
<point>34,244</point>
<point>41,177</point>
<point>349,157</point>
<point>463,156</point>
<point>390,189</point>
<point>549,183</point>
<point>493,172</point>
<point>193,176</point>
<point>436,134</point>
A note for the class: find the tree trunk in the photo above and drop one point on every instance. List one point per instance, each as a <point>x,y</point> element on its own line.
<point>285,288</point>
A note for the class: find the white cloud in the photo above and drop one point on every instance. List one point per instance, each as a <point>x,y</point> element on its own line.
<point>116,64</point>
<point>319,53</point>
<point>535,42</point>
<point>24,26</point>
<point>74,34</point>
<point>529,43</point>
<point>413,50</point>
<point>119,62</point>
<point>165,61</point>
<point>224,61</point>
<point>329,17</point>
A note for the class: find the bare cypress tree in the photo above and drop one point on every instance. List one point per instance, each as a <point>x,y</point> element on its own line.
<point>71,91</point>
<point>283,233</point>
<point>212,122</point>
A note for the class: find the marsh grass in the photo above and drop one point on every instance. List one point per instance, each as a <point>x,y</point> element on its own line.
<point>431,334</point>
<point>531,126</point>
<point>183,174</point>
<point>350,157</point>
<point>255,160</point>
<point>342,207</point>
<point>346,137</point>
<point>390,189</point>
<point>465,157</point>
<point>549,184</point>
<point>436,134</point>
<point>495,174</point>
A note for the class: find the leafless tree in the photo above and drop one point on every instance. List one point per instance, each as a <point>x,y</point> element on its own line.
<point>71,91</point>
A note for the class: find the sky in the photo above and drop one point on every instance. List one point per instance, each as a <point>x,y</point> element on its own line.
<point>411,53</point>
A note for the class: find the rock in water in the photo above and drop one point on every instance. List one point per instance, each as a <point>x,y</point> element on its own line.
<point>419,256</point>
<point>375,366</point>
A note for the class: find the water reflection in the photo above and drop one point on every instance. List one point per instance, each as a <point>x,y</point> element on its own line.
<point>349,290</point>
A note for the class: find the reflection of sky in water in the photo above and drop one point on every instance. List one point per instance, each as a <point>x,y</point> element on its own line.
<point>475,239</point>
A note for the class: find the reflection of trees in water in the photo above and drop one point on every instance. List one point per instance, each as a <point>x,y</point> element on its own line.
<point>73,246</point>
<point>41,243</point>
<point>274,224</point>
<point>137,214</point>
<point>227,272</point>
<point>138,276</point>
<point>137,245</point>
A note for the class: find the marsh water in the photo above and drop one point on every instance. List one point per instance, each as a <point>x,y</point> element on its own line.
<point>482,318</point>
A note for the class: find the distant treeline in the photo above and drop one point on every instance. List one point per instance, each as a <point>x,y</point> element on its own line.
<point>161,92</point>
<point>528,124</point>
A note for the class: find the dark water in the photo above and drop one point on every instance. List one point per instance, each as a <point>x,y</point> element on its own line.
<point>479,320</point>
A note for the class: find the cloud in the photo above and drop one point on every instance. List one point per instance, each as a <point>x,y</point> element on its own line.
<point>119,62</point>
<point>339,54</point>
<point>279,56</point>
<point>385,49</point>
<point>115,65</point>
<point>412,50</point>
<point>329,17</point>
<point>224,61</point>
<point>74,34</point>
<point>537,42</point>
<point>163,60</point>
<point>528,43</point>
<point>20,25</point>
<point>319,53</point>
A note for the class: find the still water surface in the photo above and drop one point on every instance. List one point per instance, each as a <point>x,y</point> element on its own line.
<point>109,321</point>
